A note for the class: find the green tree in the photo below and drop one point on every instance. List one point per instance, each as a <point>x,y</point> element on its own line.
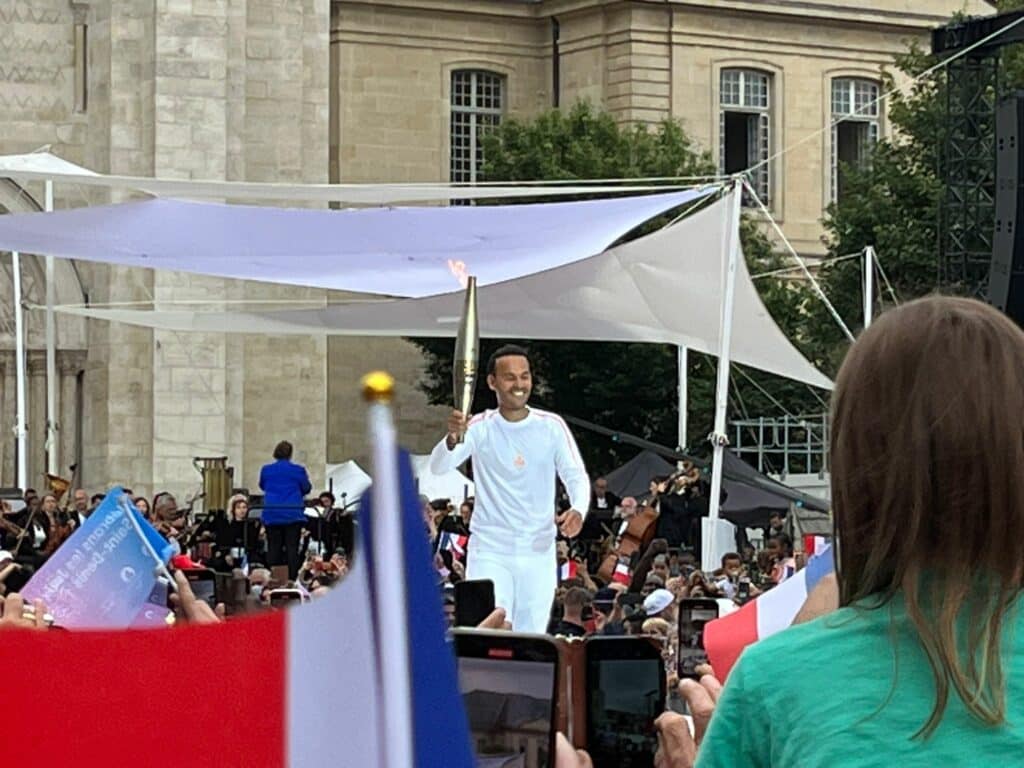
<point>892,202</point>
<point>629,387</point>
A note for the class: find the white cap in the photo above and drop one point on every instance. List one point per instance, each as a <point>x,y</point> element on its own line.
<point>658,601</point>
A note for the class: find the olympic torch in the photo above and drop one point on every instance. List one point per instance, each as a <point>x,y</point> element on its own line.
<point>467,351</point>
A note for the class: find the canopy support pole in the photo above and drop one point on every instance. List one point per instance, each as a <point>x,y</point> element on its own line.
<point>719,440</point>
<point>19,359</point>
<point>51,354</point>
<point>681,362</point>
<point>869,285</point>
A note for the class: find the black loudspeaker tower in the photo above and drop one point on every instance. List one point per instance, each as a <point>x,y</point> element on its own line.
<point>1006,275</point>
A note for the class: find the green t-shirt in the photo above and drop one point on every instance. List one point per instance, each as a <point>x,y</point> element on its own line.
<point>818,694</point>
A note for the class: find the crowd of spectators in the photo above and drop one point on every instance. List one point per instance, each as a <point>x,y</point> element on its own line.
<point>939,484</point>
<point>287,549</point>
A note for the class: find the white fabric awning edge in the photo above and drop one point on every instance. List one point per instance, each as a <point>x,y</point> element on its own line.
<point>44,166</point>
<point>662,288</point>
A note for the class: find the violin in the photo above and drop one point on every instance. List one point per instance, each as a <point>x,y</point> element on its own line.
<point>10,527</point>
<point>60,530</point>
<point>684,478</point>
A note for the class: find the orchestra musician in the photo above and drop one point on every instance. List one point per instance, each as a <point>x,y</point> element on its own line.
<point>237,535</point>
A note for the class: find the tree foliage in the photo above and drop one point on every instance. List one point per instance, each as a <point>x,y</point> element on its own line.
<point>629,387</point>
<point>891,203</point>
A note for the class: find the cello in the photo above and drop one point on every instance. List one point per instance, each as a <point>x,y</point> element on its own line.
<point>635,536</point>
<point>639,531</point>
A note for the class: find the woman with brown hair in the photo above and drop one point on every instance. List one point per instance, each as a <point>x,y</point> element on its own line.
<point>923,662</point>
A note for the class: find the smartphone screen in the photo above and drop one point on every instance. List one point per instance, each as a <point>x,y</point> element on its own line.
<point>625,694</point>
<point>743,591</point>
<point>279,597</point>
<point>508,687</point>
<point>204,585</point>
<point>694,614</point>
<point>474,602</point>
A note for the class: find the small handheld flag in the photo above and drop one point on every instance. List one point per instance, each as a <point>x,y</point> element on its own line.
<point>622,573</point>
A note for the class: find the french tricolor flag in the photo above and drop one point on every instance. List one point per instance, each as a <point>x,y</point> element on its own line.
<point>567,570</point>
<point>362,677</point>
<point>814,544</point>
<point>725,638</point>
<point>622,574</point>
<point>454,543</point>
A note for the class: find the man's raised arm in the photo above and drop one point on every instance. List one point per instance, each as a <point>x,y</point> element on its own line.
<point>448,454</point>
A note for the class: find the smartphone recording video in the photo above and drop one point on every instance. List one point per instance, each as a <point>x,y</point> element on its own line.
<point>509,685</point>
<point>743,592</point>
<point>474,602</point>
<point>626,692</point>
<point>694,614</point>
<point>204,584</point>
<point>280,598</point>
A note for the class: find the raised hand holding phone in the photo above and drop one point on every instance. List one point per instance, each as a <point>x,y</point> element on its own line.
<point>679,738</point>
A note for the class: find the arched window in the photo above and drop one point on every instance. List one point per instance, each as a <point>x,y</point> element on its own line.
<point>477,104</point>
<point>855,126</point>
<point>744,136</point>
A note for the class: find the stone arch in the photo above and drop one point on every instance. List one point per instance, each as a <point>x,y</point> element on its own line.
<point>15,198</point>
<point>71,354</point>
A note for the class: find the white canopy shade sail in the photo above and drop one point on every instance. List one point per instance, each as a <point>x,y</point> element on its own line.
<point>347,481</point>
<point>452,485</point>
<point>43,166</point>
<point>665,287</point>
<point>389,251</point>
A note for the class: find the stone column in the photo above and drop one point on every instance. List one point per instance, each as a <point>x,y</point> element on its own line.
<point>6,420</point>
<point>118,384</point>
<point>69,364</point>
<point>36,369</point>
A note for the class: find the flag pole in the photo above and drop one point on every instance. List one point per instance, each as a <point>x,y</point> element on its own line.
<point>160,568</point>
<point>392,632</point>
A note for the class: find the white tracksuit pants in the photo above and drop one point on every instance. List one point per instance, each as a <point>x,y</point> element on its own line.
<point>524,583</point>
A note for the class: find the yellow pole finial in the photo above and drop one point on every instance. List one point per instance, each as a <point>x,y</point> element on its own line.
<point>378,387</point>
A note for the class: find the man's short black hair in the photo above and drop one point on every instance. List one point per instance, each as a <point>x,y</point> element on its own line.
<point>577,597</point>
<point>509,350</point>
<point>283,450</point>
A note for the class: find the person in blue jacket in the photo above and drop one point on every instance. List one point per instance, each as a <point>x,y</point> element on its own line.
<point>284,484</point>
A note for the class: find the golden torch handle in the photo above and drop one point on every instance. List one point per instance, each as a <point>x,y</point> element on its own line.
<point>467,353</point>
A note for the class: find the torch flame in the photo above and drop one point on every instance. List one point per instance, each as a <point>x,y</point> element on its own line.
<point>458,269</point>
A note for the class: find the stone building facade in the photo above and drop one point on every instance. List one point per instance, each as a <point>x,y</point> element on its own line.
<point>364,91</point>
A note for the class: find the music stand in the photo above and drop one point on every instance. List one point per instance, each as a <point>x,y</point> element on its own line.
<point>313,512</point>
<point>255,513</point>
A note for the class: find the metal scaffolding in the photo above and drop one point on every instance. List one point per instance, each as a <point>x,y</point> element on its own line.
<point>783,445</point>
<point>968,163</point>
